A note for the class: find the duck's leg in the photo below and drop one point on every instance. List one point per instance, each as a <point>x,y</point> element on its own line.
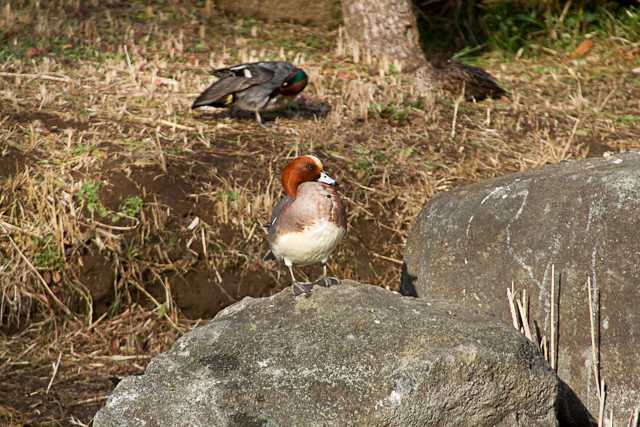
<point>259,118</point>
<point>298,288</point>
<point>324,280</point>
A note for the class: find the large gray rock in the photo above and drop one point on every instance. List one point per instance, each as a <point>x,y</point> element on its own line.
<point>348,355</point>
<point>583,217</point>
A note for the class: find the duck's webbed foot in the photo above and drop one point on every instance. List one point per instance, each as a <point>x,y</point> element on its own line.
<point>301,288</point>
<point>327,282</point>
<point>298,288</point>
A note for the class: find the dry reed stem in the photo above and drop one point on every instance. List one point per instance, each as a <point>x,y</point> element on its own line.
<point>512,307</point>
<point>44,284</point>
<point>55,371</point>
<point>64,79</point>
<point>595,362</point>
<point>634,419</point>
<point>554,333</point>
<point>386,258</point>
<point>602,401</point>
<point>519,308</point>
<point>456,107</point>
<point>523,310</point>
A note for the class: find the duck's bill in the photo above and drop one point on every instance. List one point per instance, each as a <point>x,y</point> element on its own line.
<point>326,179</point>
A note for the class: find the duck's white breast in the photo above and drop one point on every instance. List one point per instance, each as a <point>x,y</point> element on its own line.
<point>311,245</point>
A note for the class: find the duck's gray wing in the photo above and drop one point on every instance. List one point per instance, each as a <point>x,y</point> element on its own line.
<point>233,79</point>
<point>271,226</point>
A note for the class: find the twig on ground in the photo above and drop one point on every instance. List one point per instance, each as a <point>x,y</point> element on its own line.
<point>55,371</point>
<point>88,401</point>
<point>386,258</point>
<point>37,76</point>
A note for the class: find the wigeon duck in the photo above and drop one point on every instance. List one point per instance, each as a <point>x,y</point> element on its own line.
<point>255,87</point>
<point>308,222</point>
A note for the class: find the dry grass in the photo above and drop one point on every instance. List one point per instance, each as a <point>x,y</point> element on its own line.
<point>123,213</point>
<point>547,341</point>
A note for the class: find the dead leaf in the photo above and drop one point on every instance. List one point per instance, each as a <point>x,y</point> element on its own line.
<point>115,345</point>
<point>583,48</point>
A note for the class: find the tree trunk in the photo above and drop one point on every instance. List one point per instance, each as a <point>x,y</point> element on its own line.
<point>386,28</point>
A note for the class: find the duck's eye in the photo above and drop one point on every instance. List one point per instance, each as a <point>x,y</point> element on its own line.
<point>310,167</point>
<point>285,84</point>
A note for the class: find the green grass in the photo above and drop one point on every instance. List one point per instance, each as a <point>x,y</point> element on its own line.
<point>511,32</point>
<point>629,118</point>
<point>24,45</point>
<point>525,29</point>
<point>507,31</point>
<point>315,42</point>
<point>131,206</point>
<point>48,255</point>
<point>89,195</point>
<point>230,196</point>
<point>399,113</point>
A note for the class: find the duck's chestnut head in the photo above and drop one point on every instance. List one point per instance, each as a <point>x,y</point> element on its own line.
<point>303,169</point>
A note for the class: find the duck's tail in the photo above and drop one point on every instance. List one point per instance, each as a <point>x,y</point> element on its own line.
<point>211,97</point>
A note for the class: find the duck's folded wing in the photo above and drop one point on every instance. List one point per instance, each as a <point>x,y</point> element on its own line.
<point>479,83</point>
<point>268,256</point>
<point>232,80</point>
<point>270,227</point>
<point>277,210</point>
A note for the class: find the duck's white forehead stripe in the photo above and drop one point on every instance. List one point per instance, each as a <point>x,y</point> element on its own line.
<point>316,161</point>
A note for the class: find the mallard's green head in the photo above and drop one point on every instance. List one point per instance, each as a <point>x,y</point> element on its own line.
<point>295,83</point>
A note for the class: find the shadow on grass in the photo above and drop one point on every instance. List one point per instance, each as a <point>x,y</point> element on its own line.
<point>304,109</point>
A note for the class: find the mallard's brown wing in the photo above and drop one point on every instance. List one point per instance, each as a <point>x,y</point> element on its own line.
<point>477,82</point>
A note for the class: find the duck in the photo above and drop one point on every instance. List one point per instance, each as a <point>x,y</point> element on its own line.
<point>455,77</point>
<point>308,222</point>
<point>255,87</point>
